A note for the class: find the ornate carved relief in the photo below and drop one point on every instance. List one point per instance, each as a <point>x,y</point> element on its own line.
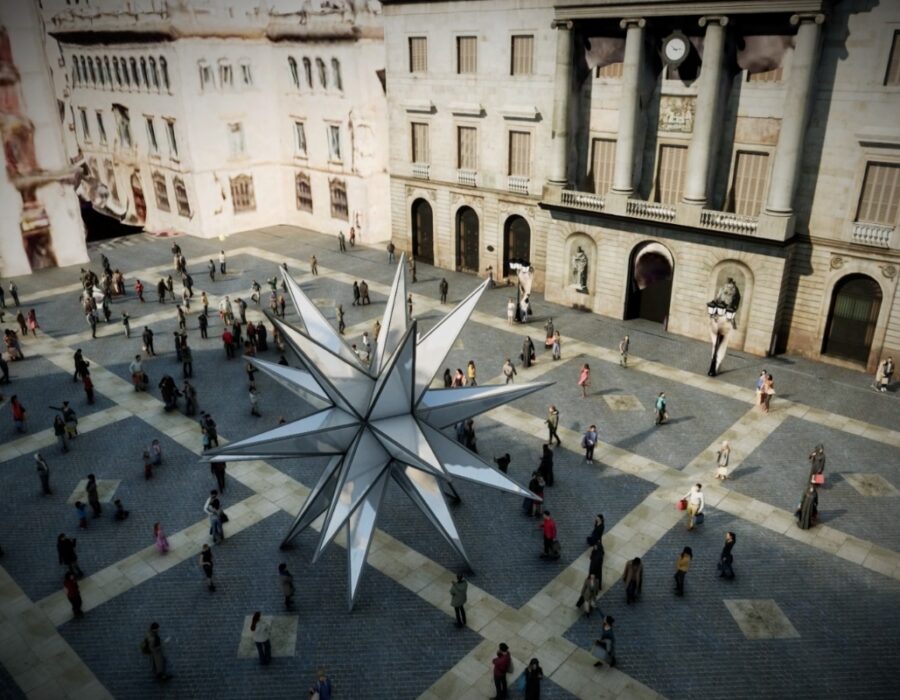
<point>416,192</point>
<point>889,271</point>
<point>837,262</point>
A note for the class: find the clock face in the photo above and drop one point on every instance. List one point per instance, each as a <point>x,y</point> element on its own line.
<point>675,49</point>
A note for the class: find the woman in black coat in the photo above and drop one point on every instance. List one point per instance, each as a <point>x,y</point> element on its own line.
<point>597,532</point>
<point>726,559</point>
<point>545,468</point>
<point>533,676</point>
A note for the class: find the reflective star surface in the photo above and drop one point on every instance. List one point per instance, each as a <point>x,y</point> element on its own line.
<point>379,421</point>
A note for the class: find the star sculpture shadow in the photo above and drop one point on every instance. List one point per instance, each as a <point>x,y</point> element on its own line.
<point>381,421</point>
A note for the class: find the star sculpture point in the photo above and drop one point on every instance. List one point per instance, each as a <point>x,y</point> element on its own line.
<point>379,421</point>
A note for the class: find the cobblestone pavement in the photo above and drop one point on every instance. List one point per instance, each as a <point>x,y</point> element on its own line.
<point>834,588</point>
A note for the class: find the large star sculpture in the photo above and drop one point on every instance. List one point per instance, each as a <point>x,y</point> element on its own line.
<point>378,421</point>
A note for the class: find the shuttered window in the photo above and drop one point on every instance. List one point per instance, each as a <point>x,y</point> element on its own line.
<point>418,54</point>
<point>420,143</point>
<point>603,160</point>
<point>893,70</point>
<point>880,194</point>
<point>467,148</point>
<point>242,194</point>
<point>522,61</point>
<point>162,191</point>
<point>520,153</point>
<point>467,54</point>
<point>769,76</point>
<point>304,192</point>
<point>339,208</point>
<point>751,179</point>
<point>670,174</point>
<point>610,70</point>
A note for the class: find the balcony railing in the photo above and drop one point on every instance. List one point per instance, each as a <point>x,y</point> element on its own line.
<point>421,170</point>
<point>582,200</point>
<point>728,221</point>
<point>876,235</point>
<point>650,210</point>
<point>518,184</point>
<point>468,178</point>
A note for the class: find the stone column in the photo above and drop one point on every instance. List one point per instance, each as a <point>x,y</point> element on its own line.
<point>623,174</point>
<point>562,91</point>
<point>789,152</point>
<point>707,111</point>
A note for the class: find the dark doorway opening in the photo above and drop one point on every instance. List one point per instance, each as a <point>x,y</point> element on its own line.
<point>649,286</point>
<point>516,243</point>
<point>855,304</point>
<point>422,232</point>
<point>467,240</point>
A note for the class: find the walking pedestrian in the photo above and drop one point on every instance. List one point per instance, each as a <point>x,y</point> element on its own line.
<point>322,686</point>
<point>510,311</point>
<point>211,267</point>
<point>722,457</point>
<point>18,414</point>
<point>682,566</point>
<point>218,471</point>
<point>92,496</point>
<point>190,398</point>
<point>206,564</point>
<point>43,472</point>
<point>444,287</point>
<point>660,408</point>
<point>412,269</point>
<point>584,379</point>
<point>503,462</point>
<point>147,338</point>
<point>153,646</point>
<point>548,527</point>
<point>471,374</point>
<point>203,322</point>
<point>527,357</point>
<point>459,379</point>
<point>222,261</point>
<point>695,503</point>
<point>160,539</point>
<point>340,317</point>
<point>352,236</point>
<point>390,251</point>
<point>726,558</point>
<point>139,290</point>
<point>633,580</point>
<point>590,593</point>
<point>32,322</point>
<point>136,368</point>
<point>589,442</point>
<point>73,593</point>
<point>254,402</point>
<point>605,647</point>
<point>817,465</point>
<point>59,430</point>
<point>534,674</point>
<point>170,287</point>
<point>228,343</point>
<point>884,375</point>
<point>4,370</point>
<point>204,300</point>
<point>161,291</point>
<point>23,326</point>
<point>509,371</point>
<point>81,514</point>
<point>545,467</point>
<point>217,519</point>
<point>14,293</point>
<point>262,630</point>
<point>807,512</point>
<point>557,346</point>
<point>68,557</point>
<point>623,351</point>
<point>286,581</point>
<point>502,665</point>
<point>364,293</point>
<point>342,242</point>
<point>531,506</point>
<point>92,321</point>
<point>458,597</point>
<point>356,293</point>
<point>597,531</point>
<point>314,265</point>
<point>552,424</point>
<point>409,307</point>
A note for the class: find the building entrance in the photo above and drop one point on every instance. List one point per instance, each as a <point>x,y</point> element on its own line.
<point>855,304</point>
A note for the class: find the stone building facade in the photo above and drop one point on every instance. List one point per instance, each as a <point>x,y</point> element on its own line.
<point>639,155</point>
<point>224,116</point>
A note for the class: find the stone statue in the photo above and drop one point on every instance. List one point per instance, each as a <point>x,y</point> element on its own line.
<point>580,270</point>
<point>729,294</point>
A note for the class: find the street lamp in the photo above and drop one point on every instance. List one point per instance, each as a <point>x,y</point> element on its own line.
<point>721,323</point>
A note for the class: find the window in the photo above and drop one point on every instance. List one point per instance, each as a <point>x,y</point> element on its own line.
<point>522,55</point>
<point>135,78</point>
<point>336,72</point>
<point>108,71</point>
<point>295,76</point>
<point>85,127</point>
<point>111,180</point>
<point>226,75</point>
<point>751,176</point>
<point>768,76</point>
<point>123,125</point>
<point>339,208</point>
<point>144,73</point>
<point>603,161</point>
<point>246,74</point>
<point>242,197</point>
<point>670,175</point>
<point>162,191</point>
<point>206,76</point>
<point>307,72</point>
<point>101,128</point>
<point>61,111</point>
<point>466,54</point>
<point>152,143</point>
<point>154,74</point>
<point>170,134</point>
<point>467,148</point>
<point>880,194</point>
<point>893,70</point>
<point>100,75</point>
<point>420,143</point>
<point>236,139</point>
<point>164,70</point>
<point>117,72</point>
<point>304,192</point>
<point>181,198</point>
<point>84,74</point>
<point>76,71</point>
<point>520,153</point>
<point>323,76</point>
<point>125,77</point>
<point>334,142</point>
<point>91,70</point>
<point>610,70</point>
<point>299,139</point>
<point>418,54</point>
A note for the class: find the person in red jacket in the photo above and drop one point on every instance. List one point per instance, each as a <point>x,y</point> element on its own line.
<point>549,528</point>
<point>88,386</point>
<point>228,342</point>
<point>502,666</point>
<point>73,594</point>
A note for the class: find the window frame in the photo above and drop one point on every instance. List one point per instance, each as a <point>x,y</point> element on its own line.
<point>336,73</point>
<point>330,128</point>
<point>512,54</point>
<point>458,41</point>
<point>655,190</point>
<point>152,139</point>
<point>236,128</point>
<point>182,204</point>
<point>459,164</point>
<point>411,55</point>
<point>301,201</point>
<point>163,203</point>
<point>171,137</point>
<point>869,160</point>
<point>339,210</point>
<point>101,127</point>
<point>519,130</point>
<point>206,75</point>
<point>592,175</point>
<point>413,142</point>
<point>298,132</point>
<point>85,126</point>
<point>893,50</point>
<point>235,184</point>
<point>730,204</point>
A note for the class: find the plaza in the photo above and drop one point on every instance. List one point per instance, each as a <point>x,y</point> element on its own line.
<point>811,613</point>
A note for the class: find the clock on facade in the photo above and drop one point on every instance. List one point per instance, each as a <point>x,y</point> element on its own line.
<point>675,49</point>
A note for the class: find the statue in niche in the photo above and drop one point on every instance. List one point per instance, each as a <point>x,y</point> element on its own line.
<point>580,271</point>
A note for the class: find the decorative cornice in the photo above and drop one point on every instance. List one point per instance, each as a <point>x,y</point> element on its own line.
<point>639,22</point>
<point>721,20</point>
<point>562,24</point>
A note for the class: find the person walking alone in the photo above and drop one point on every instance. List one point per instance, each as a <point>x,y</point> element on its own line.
<point>217,469</point>
<point>444,287</point>
<point>552,424</point>
<point>43,472</point>
<point>458,596</point>
<point>681,569</point>
<point>633,580</point>
<point>92,496</point>
<point>262,630</point>
<point>73,593</point>
<point>501,663</point>
<point>206,564</point>
<point>623,351</point>
<point>584,379</point>
<point>660,408</point>
<point>589,442</point>
<point>722,457</point>
<point>286,581</point>
<point>153,646</point>
<point>726,558</point>
<point>509,371</point>
<point>695,503</point>
<point>548,527</point>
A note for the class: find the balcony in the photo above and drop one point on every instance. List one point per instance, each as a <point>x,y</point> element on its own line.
<point>582,200</point>
<point>650,210</point>
<point>876,235</point>
<point>728,221</point>
<point>421,171</point>
<point>467,178</point>
<point>518,184</point>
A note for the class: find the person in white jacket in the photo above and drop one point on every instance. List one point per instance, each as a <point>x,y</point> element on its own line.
<point>695,504</point>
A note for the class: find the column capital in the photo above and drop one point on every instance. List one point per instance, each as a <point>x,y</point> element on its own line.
<point>562,24</point>
<point>639,22</point>
<point>806,18</point>
<point>721,20</point>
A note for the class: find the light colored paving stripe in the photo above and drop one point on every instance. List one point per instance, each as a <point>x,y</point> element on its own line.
<point>40,661</point>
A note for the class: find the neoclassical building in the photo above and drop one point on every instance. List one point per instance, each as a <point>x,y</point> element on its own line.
<point>640,154</point>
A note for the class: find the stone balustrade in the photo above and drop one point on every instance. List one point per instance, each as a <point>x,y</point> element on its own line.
<point>518,184</point>
<point>876,235</point>
<point>421,171</point>
<point>582,200</point>
<point>729,221</point>
<point>467,178</point>
<point>650,210</point>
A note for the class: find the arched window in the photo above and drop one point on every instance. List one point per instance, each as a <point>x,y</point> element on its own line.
<point>323,75</point>
<point>336,73</point>
<point>84,74</point>
<point>304,192</point>
<point>76,71</point>
<point>295,76</point>
<point>181,197</point>
<point>125,78</point>
<point>135,78</point>
<point>154,75</point>
<point>117,72</point>
<point>339,209</point>
<point>144,73</point>
<point>91,71</point>
<point>109,78</point>
<point>307,72</point>
<point>164,69</point>
<point>161,190</point>
<point>100,75</point>
<point>243,197</point>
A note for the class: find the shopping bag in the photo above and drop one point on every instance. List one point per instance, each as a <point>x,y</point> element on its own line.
<point>682,504</point>
<point>818,479</point>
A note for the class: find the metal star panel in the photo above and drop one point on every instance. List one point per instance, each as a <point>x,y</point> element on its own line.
<point>378,422</point>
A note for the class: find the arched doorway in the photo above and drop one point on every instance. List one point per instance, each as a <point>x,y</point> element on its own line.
<point>467,240</point>
<point>516,242</point>
<point>650,283</point>
<point>855,303</point>
<point>422,232</point>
